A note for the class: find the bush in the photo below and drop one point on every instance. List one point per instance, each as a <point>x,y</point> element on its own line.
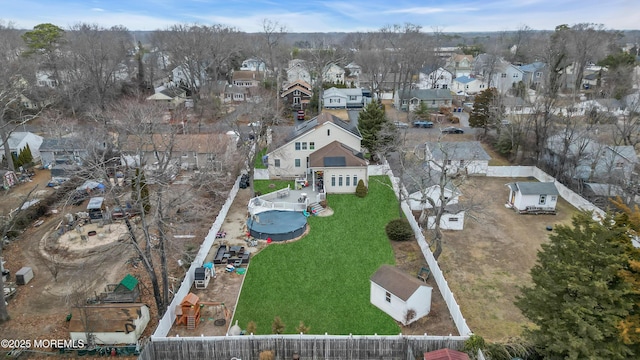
<point>399,230</point>
<point>278,326</point>
<point>361,190</point>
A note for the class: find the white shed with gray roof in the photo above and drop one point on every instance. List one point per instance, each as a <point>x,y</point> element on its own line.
<point>396,293</point>
<point>533,197</point>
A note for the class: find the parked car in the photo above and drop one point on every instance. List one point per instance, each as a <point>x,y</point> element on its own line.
<point>400,125</point>
<point>423,124</point>
<point>452,130</point>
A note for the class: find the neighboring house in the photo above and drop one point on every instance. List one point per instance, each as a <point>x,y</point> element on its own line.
<point>188,151</point>
<point>397,293</point>
<point>497,72</point>
<point>460,65</point>
<point>333,74</point>
<point>170,96</point>
<point>515,105</point>
<point>533,197</point>
<point>181,75</point>
<point>45,78</point>
<point>109,324</point>
<point>70,150</point>
<point>533,74</point>
<point>601,195</point>
<point>465,85</point>
<point>341,167</point>
<point>234,93</point>
<point>19,140</point>
<point>297,94</point>
<point>253,64</point>
<point>353,69</point>
<point>459,156</point>
<point>291,160</point>
<point>588,160</point>
<point>297,70</point>
<point>246,78</point>
<point>590,80</point>
<point>434,98</point>
<point>423,185</point>
<point>335,98</point>
<point>434,78</point>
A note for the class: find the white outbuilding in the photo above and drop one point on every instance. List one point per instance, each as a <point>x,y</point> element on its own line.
<point>533,197</point>
<point>403,297</point>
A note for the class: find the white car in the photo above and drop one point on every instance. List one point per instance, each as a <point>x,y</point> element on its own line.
<point>401,125</point>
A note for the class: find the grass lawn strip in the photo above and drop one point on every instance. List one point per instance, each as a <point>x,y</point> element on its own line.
<point>264,186</point>
<point>323,279</point>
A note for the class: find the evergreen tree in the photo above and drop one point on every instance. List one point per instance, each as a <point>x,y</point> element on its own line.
<point>578,298</point>
<point>140,191</point>
<point>483,113</point>
<point>371,121</point>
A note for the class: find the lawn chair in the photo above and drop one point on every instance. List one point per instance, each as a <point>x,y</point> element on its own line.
<point>424,273</point>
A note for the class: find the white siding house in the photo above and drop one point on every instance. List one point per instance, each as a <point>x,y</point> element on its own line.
<point>395,293</point>
<point>333,74</point>
<point>341,167</point>
<point>438,78</point>
<point>291,160</point>
<point>19,140</point>
<point>110,324</point>
<point>334,98</point>
<point>458,156</point>
<point>532,196</point>
<point>465,85</point>
<point>297,70</point>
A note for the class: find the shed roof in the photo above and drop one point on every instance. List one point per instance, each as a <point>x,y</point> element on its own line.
<point>534,188</point>
<point>445,354</point>
<point>129,282</point>
<point>396,282</point>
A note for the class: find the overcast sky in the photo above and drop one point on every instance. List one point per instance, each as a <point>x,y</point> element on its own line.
<point>326,16</point>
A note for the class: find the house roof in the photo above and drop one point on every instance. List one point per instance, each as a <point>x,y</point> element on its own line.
<point>336,154</point>
<point>605,189</point>
<point>445,354</point>
<point>199,143</point>
<point>298,87</point>
<point>335,92</point>
<point>457,150</point>
<point>396,282</point>
<point>298,82</point>
<point>104,317</point>
<point>534,188</point>
<point>427,94</point>
<point>62,144</point>
<point>129,282</point>
<point>533,67</point>
<point>247,75</point>
<point>318,121</point>
<point>160,96</point>
<point>464,79</point>
<point>16,138</point>
<point>460,57</point>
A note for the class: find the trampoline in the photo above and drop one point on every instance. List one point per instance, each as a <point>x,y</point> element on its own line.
<point>277,224</point>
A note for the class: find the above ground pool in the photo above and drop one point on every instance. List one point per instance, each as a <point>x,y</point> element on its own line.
<point>278,225</point>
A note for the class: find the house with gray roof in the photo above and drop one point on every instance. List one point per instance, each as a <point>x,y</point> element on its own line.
<point>410,99</point>
<point>533,197</point>
<point>533,74</point>
<point>334,98</point>
<point>70,150</point>
<point>18,140</point>
<point>468,157</point>
<point>339,164</point>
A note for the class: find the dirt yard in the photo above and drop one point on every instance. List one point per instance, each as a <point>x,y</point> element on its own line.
<point>486,262</point>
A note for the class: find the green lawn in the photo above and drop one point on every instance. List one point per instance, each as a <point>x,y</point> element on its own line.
<point>257,163</point>
<point>323,279</point>
<point>265,186</point>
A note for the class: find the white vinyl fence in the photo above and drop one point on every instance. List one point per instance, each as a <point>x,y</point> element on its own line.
<point>166,322</point>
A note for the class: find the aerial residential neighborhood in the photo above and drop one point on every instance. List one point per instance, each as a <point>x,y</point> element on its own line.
<point>218,187</point>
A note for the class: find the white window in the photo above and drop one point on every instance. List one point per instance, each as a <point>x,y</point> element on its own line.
<point>297,162</point>
<point>346,179</point>
<point>297,145</point>
<point>543,199</point>
<point>387,296</point>
<point>453,219</point>
<point>461,163</point>
<point>276,163</point>
<point>503,75</point>
<point>296,93</point>
<point>296,100</point>
<point>312,145</point>
<point>538,74</point>
<point>333,180</point>
<point>304,146</point>
<point>340,180</point>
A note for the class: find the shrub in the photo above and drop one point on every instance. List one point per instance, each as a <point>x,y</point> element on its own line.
<point>324,203</point>
<point>252,327</point>
<point>399,230</point>
<point>361,190</point>
<point>278,326</point>
<point>302,328</point>
<point>267,355</point>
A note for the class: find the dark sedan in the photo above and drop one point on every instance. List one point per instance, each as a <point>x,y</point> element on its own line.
<point>452,130</point>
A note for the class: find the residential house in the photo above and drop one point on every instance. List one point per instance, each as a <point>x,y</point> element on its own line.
<point>109,324</point>
<point>434,78</point>
<point>186,151</point>
<point>292,159</point>
<point>585,159</point>
<point>341,168</point>
<point>247,78</point>
<point>422,187</point>
<point>515,105</point>
<point>466,85</point>
<point>590,80</point>
<point>353,70</point>
<point>381,84</point>
<point>335,98</point>
<point>533,74</point>
<point>434,98</point>
<point>173,97</point>
<point>18,140</point>
<point>253,64</point>
<point>297,70</point>
<point>533,197</point>
<point>497,72</point>
<point>71,150</point>
<point>397,294</point>
<point>333,74</point>
<point>45,78</point>
<point>601,195</point>
<point>460,65</point>
<point>181,75</point>
<point>297,94</point>
<point>235,93</point>
<point>457,156</point>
